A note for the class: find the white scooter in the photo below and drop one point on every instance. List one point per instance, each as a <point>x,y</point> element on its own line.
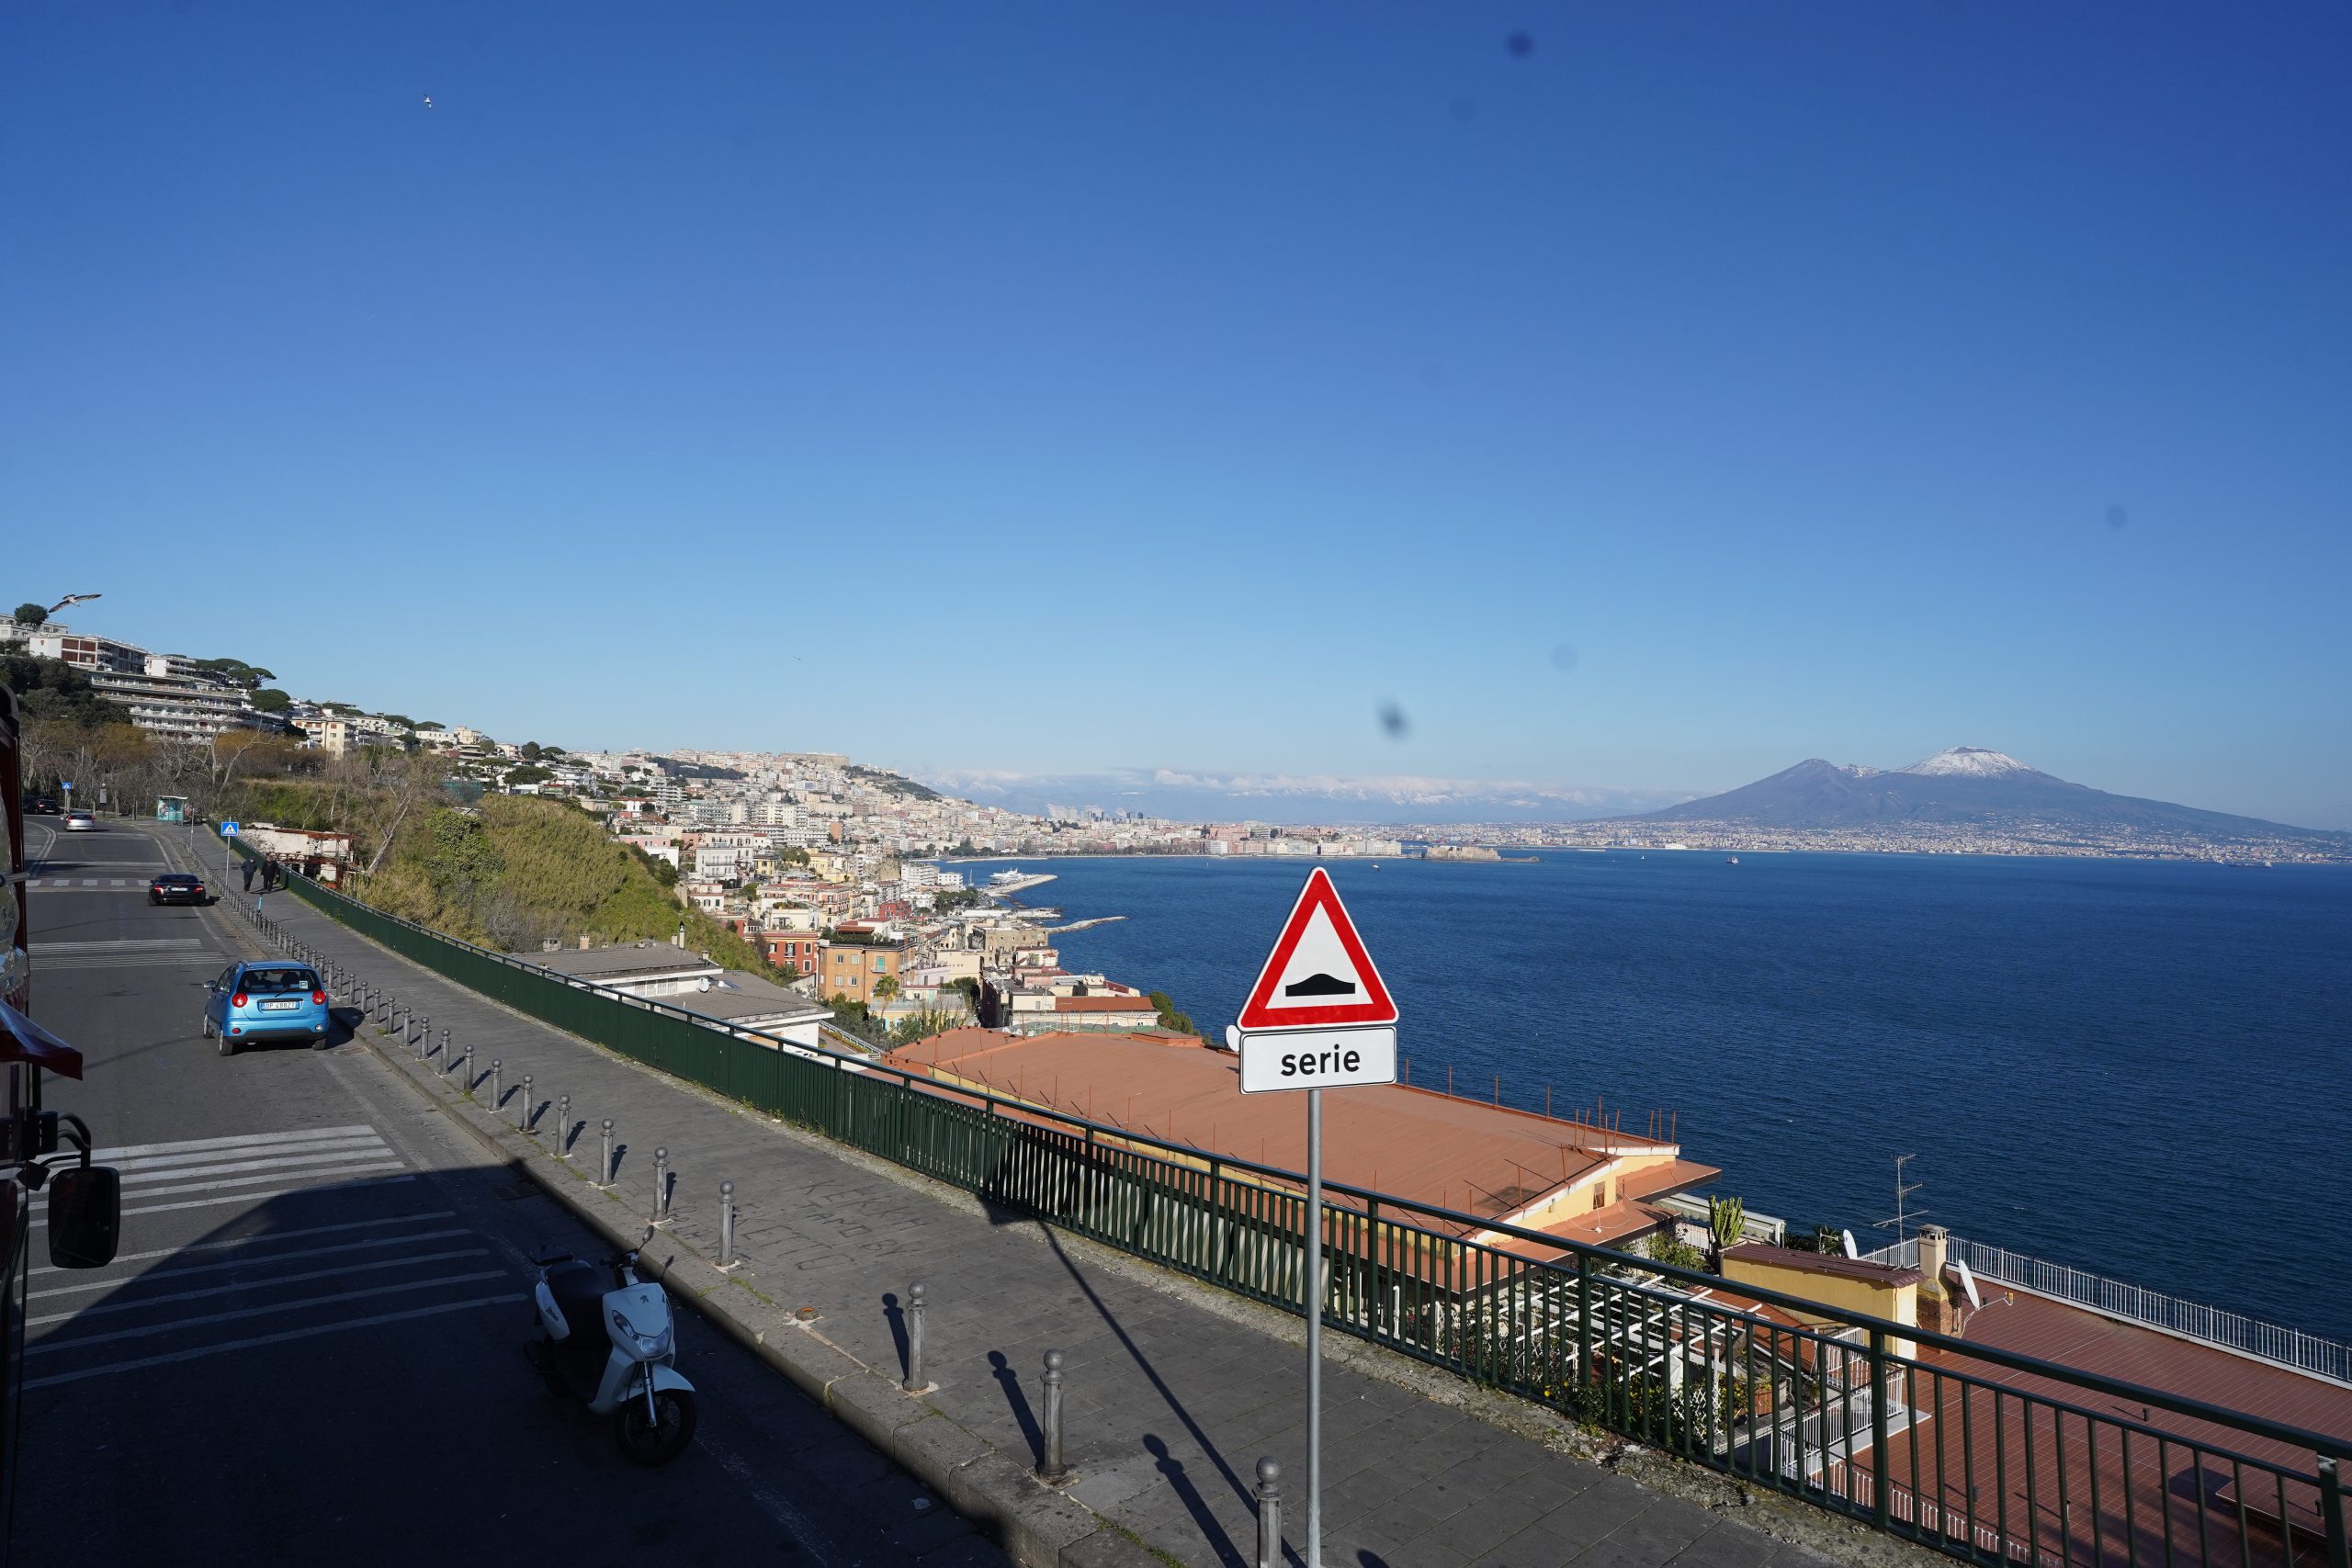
<point>608,1338</point>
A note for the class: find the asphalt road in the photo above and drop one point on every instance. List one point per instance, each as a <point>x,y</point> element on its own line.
<point>311,1347</point>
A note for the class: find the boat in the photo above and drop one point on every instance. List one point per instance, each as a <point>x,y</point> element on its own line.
<point>1730,860</point>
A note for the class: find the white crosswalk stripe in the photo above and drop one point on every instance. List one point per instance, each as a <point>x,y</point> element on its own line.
<point>159,1306</point>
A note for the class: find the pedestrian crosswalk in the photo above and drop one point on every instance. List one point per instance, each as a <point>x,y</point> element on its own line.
<point>147,954</point>
<point>85,883</point>
<point>329,1239</point>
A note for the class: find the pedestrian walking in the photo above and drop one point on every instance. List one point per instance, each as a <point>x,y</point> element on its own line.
<point>249,876</point>
<point>269,877</point>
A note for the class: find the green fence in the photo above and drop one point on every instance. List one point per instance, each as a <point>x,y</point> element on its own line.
<point>1982,1454</point>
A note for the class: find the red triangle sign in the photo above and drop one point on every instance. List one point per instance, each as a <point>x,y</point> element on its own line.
<point>1319,975</point>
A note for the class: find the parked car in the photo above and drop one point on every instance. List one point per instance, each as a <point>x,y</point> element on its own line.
<point>262,1000</point>
<point>80,822</point>
<point>176,887</point>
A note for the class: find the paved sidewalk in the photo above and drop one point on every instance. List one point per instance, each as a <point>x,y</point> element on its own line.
<point>1170,1404</point>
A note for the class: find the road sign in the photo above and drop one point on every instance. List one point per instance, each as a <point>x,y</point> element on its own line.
<point>228,830</point>
<point>1319,975</point>
<point>66,784</point>
<point>1319,1018</point>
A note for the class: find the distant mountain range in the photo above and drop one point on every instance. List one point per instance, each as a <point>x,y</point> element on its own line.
<point>1204,796</point>
<point>1966,787</point>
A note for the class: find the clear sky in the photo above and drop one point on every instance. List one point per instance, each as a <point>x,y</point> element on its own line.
<point>1633,396</point>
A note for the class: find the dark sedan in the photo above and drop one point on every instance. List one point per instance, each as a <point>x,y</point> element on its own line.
<point>176,887</point>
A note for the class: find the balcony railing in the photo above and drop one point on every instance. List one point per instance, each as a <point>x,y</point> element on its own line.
<point>2290,1347</point>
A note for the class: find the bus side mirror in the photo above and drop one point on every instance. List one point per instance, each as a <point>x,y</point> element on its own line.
<point>84,1216</point>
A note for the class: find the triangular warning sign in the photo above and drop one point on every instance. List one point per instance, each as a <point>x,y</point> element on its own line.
<point>1318,974</point>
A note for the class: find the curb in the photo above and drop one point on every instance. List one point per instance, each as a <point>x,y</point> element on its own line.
<point>1036,1526</point>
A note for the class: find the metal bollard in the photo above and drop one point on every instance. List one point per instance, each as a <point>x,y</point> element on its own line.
<point>661,1185</point>
<point>727,1224</point>
<point>1269,1514</point>
<point>914,1384</point>
<point>604,1165</point>
<point>468,1087</point>
<point>423,1035</point>
<point>1050,1469</point>
<point>444,1045</point>
<point>497,1084</point>
<point>530,1107</point>
<point>563,1126</point>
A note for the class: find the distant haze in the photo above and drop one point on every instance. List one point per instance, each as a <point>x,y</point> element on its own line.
<point>1297,798</point>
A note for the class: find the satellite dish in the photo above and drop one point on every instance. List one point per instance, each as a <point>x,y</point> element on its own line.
<point>703,984</point>
<point>1968,1283</point>
<point>1851,1250</point>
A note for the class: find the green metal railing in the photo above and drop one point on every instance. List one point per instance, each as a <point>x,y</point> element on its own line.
<point>1982,1454</point>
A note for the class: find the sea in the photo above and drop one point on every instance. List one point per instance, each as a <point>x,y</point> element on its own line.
<point>2138,1068</point>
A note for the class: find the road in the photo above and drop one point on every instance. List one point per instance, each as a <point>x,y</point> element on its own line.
<point>310,1346</point>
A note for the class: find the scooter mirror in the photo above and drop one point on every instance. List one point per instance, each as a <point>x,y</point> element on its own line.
<point>84,1216</point>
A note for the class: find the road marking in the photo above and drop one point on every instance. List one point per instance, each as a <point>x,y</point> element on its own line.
<point>260,1339</point>
<point>260,1237</point>
<point>125,944</point>
<point>160,1162</point>
<point>131,1151</point>
<point>127,1279</point>
<point>796,1523</point>
<point>372,1149</point>
<point>255,1197</point>
<point>273,1175</point>
<point>236,1285</point>
<point>48,963</point>
<point>148,1330</point>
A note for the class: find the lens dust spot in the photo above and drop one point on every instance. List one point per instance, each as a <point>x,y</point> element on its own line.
<point>1393,720</point>
<point>1564,658</point>
<point>2117,519</point>
<point>1520,45</point>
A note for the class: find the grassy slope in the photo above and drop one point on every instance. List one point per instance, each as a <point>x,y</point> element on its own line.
<point>519,870</point>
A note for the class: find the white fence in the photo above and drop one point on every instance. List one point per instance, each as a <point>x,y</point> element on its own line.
<point>2192,1320</point>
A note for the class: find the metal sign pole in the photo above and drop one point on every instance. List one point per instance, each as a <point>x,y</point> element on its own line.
<point>1314,1328</point>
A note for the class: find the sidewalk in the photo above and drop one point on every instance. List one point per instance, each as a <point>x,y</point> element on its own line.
<point>1170,1400</point>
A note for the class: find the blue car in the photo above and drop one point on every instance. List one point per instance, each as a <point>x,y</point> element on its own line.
<point>266,1002</point>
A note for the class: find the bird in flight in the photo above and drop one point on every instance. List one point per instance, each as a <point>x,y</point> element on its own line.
<point>428,100</point>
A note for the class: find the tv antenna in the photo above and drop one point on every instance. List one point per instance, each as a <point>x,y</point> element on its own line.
<point>1903,1191</point>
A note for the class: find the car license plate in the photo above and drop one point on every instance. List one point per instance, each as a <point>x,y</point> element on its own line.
<point>279,1007</point>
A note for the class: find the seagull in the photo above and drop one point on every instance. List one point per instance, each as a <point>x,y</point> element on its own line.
<point>428,100</point>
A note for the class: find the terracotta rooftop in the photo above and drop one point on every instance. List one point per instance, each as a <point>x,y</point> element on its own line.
<point>1414,1144</point>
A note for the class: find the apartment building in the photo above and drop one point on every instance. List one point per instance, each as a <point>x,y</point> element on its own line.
<point>854,969</point>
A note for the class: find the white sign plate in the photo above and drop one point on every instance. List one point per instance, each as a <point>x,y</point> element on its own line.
<point>1316,1058</point>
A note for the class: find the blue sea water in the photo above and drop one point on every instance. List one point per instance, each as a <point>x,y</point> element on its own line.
<point>2138,1068</point>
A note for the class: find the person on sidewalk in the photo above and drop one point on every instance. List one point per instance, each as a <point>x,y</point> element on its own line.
<point>249,876</point>
<point>269,877</point>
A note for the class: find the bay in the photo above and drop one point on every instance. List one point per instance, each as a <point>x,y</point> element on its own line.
<point>2137,1069</point>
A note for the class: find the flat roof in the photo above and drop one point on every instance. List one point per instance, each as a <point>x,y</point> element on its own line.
<point>637,960</point>
<point>1831,1263</point>
<point>1416,1143</point>
<point>739,997</point>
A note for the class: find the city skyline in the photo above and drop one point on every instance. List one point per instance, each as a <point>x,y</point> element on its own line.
<point>1335,396</point>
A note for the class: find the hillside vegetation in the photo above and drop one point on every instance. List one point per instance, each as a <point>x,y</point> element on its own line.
<point>515,872</point>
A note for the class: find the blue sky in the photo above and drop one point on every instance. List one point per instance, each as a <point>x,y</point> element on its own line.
<point>1056,390</point>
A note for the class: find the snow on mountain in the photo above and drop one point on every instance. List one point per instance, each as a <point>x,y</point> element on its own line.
<point>1967,761</point>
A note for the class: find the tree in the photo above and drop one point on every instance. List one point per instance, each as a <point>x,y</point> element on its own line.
<point>531,751</point>
<point>885,989</point>
<point>269,699</point>
<point>31,615</point>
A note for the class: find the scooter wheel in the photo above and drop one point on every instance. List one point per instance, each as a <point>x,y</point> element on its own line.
<point>645,1443</point>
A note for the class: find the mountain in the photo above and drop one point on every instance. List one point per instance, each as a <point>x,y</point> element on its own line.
<point>1969,787</point>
